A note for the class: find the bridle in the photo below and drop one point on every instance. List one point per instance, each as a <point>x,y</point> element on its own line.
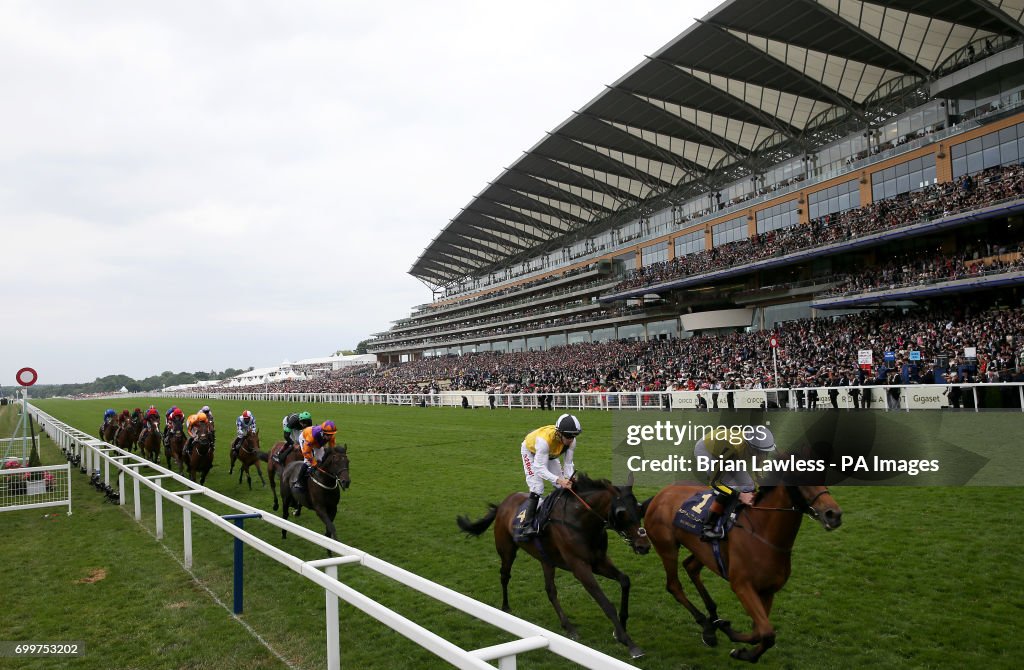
<point>802,506</point>
<point>335,477</point>
<point>614,507</point>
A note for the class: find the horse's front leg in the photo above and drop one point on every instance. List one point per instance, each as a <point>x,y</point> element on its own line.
<point>606,568</point>
<point>327,516</point>
<point>668,552</point>
<point>549,588</point>
<point>711,623</point>
<point>763,633</point>
<point>585,574</point>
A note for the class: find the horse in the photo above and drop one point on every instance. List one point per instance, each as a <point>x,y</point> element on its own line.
<point>149,445</point>
<point>175,443</point>
<point>756,554</point>
<point>200,457</point>
<point>127,434</point>
<point>575,541</point>
<point>323,488</point>
<point>108,431</point>
<point>273,466</point>
<point>248,452</point>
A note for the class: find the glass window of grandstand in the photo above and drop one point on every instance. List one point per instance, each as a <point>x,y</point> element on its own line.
<point>603,334</point>
<point>834,199</point>
<point>486,346</point>
<point>905,177</point>
<point>501,347</point>
<point>663,330</point>
<point>535,343</point>
<point>517,345</point>
<point>579,337</point>
<point>782,215</point>
<point>556,340</point>
<point>628,261</point>
<point>730,231</point>
<point>690,243</point>
<point>656,253</point>
<point>631,332</point>
<point>1001,147</point>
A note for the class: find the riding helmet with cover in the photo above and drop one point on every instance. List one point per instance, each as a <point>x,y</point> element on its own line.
<point>568,425</point>
<point>109,412</point>
<point>205,409</point>
<point>762,440</point>
<point>201,418</point>
<point>246,416</point>
<point>306,417</point>
<point>329,428</point>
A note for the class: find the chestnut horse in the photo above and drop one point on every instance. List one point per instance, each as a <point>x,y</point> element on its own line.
<point>576,540</point>
<point>200,457</point>
<point>175,442</point>
<point>756,554</point>
<point>274,467</point>
<point>323,487</point>
<point>248,453</point>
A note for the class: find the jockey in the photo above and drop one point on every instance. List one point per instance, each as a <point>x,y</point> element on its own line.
<point>173,413</point>
<point>244,423</point>
<point>729,486</point>
<point>137,415</point>
<point>293,425</point>
<point>108,416</point>
<point>539,454</point>
<point>151,419</point>
<point>313,440</point>
<point>192,428</point>
<point>209,417</point>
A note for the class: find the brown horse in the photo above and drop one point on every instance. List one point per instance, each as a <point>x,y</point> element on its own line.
<point>323,487</point>
<point>175,442</point>
<point>149,442</point>
<point>200,456</point>
<point>756,554</point>
<point>108,431</point>
<point>274,467</point>
<point>576,540</point>
<point>248,453</point>
<point>127,434</point>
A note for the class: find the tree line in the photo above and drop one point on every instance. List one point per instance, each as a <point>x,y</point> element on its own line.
<point>113,383</point>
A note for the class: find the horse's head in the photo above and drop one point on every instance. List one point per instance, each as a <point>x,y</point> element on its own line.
<point>818,503</point>
<point>177,423</point>
<point>623,509</point>
<point>335,463</point>
<point>626,518</point>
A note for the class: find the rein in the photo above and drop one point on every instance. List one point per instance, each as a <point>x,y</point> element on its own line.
<point>606,523</point>
<point>806,509</point>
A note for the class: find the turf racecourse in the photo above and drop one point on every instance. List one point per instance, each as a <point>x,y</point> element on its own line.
<point>915,578</point>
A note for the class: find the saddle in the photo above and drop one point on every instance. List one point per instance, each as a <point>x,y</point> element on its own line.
<point>283,454</point>
<point>540,519</point>
<point>691,514</point>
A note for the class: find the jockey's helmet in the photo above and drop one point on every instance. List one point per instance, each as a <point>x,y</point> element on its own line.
<point>329,428</point>
<point>568,425</point>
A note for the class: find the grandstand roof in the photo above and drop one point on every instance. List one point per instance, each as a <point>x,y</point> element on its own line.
<point>751,84</point>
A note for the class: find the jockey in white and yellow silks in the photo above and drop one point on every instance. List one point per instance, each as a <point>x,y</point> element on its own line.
<point>540,454</point>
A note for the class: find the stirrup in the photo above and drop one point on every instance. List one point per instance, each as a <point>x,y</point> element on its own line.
<point>709,534</point>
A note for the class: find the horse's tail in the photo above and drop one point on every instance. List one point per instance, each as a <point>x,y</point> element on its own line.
<point>644,505</point>
<point>480,525</point>
<point>263,455</point>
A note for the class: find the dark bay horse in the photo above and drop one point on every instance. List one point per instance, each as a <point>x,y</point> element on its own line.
<point>576,540</point>
<point>127,434</point>
<point>323,487</point>
<point>175,442</point>
<point>200,457</point>
<point>756,554</point>
<point>274,468</point>
<point>149,444</point>
<point>248,453</point>
<point>107,432</point>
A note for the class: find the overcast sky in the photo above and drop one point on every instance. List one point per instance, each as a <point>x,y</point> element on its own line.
<point>200,185</point>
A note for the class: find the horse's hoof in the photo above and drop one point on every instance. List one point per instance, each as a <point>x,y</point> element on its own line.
<point>743,655</point>
<point>636,652</point>
<point>709,638</point>
<point>275,507</point>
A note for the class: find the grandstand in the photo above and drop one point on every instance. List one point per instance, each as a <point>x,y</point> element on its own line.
<point>776,162</point>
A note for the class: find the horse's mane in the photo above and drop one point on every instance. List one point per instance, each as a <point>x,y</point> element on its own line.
<point>584,483</point>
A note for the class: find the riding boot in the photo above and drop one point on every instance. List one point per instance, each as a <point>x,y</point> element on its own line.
<point>300,483</point>
<point>234,445</point>
<point>711,531</point>
<point>531,511</point>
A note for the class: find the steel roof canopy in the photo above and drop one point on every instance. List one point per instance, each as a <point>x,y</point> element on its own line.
<point>750,73</point>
